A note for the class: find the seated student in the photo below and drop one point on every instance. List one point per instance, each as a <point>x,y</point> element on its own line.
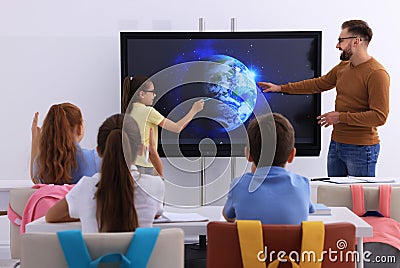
<point>118,199</point>
<point>137,99</point>
<point>56,156</point>
<point>269,193</point>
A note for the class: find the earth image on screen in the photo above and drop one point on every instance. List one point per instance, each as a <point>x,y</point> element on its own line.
<point>232,91</point>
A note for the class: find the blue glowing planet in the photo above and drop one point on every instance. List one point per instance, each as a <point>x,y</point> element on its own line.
<point>232,90</point>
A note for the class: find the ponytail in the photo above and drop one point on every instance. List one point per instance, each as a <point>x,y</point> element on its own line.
<point>130,86</point>
<point>126,94</point>
<point>115,208</point>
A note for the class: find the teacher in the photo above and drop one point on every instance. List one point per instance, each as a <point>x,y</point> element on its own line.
<point>361,105</point>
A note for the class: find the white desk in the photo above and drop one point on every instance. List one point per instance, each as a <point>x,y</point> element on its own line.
<point>6,186</point>
<point>192,230</point>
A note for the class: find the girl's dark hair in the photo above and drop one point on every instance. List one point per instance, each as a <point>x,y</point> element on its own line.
<point>129,91</point>
<point>56,159</point>
<point>118,142</point>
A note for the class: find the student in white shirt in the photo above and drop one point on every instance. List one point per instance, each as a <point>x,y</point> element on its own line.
<point>118,199</point>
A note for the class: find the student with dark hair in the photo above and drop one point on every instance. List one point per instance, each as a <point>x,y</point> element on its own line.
<point>56,156</point>
<point>269,193</point>
<point>362,103</point>
<point>118,199</point>
<point>137,100</point>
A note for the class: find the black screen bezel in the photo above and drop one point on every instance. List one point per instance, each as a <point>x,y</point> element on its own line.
<point>224,150</point>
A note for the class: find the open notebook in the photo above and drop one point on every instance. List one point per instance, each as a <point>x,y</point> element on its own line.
<point>179,217</point>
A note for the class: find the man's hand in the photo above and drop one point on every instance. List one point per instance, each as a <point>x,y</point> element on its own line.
<point>269,87</point>
<point>327,119</point>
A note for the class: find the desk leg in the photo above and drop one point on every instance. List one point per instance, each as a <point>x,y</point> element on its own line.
<point>360,249</point>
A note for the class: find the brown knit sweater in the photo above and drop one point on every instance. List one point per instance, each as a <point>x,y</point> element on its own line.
<point>362,99</point>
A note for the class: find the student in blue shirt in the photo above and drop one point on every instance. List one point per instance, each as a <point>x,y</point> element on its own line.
<point>56,156</point>
<point>269,193</point>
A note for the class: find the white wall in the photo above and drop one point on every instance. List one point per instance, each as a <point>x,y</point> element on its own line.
<point>52,51</point>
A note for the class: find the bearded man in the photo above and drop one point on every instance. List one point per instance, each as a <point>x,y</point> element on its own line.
<point>361,105</point>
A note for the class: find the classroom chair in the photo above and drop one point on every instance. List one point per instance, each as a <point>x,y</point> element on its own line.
<point>223,249</point>
<point>40,250</point>
<point>340,196</point>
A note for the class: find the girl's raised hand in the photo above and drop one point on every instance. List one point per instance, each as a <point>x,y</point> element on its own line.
<point>35,128</point>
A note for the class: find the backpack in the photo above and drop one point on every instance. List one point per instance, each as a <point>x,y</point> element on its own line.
<point>137,256</point>
<point>38,203</point>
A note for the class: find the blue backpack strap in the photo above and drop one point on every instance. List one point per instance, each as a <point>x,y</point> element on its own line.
<point>137,256</point>
<point>114,258</point>
<point>75,251</point>
<point>142,246</point>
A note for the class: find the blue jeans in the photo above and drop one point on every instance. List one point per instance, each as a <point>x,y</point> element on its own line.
<point>352,160</point>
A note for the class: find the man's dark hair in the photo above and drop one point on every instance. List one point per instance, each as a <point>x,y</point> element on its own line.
<point>271,140</point>
<point>359,28</point>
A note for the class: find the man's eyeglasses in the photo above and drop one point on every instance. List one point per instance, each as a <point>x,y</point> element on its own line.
<point>151,91</point>
<point>340,39</point>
